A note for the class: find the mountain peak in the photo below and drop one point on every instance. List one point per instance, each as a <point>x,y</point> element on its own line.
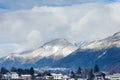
<point>59,41</point>
<point>111,41</point>
<point>55,49</point>
<point>117,34</point>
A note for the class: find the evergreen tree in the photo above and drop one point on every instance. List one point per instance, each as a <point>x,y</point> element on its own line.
<point>4,70</point>
<point>32,72</point>
<point>96,68</point>
<point>79,71</point>
<point>13,69</point>
<point>91,75</point>
<point>20,71</point>
<point>86,73</point>
<point>72,74</point>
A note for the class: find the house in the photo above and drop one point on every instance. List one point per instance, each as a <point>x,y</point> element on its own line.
<point>99,76</point>
<point>5,76</point>
<point>81,78</point>
<point>66,77</point>
<point>71,79</point>
<point>14,75</point>
<point>57,76</point>
<point>115,76</point>
<point>47,77</point>
<point>26,77</point>
<point>44,77</point>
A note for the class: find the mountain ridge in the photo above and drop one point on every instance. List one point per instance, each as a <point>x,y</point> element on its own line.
<point>105,53</point>
<point>111,41</point>
<point>56,49</point>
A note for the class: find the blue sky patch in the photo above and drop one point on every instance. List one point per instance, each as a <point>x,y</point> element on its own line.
<point>2,6</point>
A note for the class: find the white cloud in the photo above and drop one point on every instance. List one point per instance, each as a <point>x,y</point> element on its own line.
<point>38,25</point>
<point>1,52</point>
<point>33,38</point>
<point>6,48</point>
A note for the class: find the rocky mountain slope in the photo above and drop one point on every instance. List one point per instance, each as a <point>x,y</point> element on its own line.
<point>53,50</point>
<point>109,42</point>
<point>61,53</point>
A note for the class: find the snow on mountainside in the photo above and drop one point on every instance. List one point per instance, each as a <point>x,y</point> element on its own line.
<point>112,41</point>
<point>55,49</point>
<point>61,53</point>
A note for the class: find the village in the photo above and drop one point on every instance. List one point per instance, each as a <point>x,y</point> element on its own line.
<point>80,74</point>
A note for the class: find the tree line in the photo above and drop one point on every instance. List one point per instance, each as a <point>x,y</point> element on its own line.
<point>82,73</point>
<point>20,71</point>
<point>85,73</point>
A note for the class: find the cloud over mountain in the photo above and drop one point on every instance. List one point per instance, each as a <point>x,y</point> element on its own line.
<point>32,27</point>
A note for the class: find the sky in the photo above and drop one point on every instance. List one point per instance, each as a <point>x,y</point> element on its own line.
<point>27,24</point>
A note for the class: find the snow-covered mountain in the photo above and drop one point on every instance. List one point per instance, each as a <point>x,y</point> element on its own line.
<point>105,53</point>
<point>112,41</point>
<point>55,49</point>
<point>61,53</point>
